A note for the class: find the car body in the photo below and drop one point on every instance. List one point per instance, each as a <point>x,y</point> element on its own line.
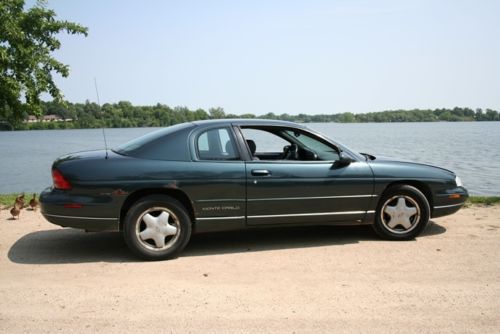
<point>235,174</point>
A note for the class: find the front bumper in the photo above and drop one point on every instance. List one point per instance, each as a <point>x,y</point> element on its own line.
<point>449,202</point>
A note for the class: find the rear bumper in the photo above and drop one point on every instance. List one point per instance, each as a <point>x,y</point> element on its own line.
<point>54,208</point>
<point>84,223</point>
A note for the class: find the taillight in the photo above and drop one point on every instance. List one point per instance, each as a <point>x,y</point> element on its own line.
<point>60,182</point>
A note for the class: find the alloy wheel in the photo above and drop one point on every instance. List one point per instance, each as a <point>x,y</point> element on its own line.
<point>400,214</point>
<point>157,228</point>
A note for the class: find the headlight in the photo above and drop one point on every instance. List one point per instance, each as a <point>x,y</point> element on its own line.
<point>458,182</point>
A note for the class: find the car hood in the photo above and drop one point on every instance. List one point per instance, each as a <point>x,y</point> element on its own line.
<point>385,159</point>
<point>391,167</point>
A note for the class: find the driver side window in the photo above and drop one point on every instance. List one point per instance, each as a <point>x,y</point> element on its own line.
<point>275,143</point>
<point>268,146</point>
<point>321,149</point>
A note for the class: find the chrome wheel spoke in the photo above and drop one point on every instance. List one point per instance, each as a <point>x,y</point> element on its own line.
<point>147,234</point>
<point>151,222</point>
<point>390,210</point>
<point>159,240</point>
<point>411,211</point>
<point>165,228</point>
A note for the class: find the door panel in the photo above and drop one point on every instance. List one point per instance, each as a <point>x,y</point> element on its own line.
<point>306,192</point>
<point>222,193</point>
<point>218,189</point>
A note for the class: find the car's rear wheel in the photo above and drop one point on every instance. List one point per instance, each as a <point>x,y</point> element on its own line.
<point>157,227</point>
<point>402,213</point>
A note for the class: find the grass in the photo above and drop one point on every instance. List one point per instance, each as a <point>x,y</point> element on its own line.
<point>9,199</point>
<point>485,200</point>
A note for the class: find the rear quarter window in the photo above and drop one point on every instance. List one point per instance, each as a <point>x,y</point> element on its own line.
<point>166,144</point>
<point>216,144</point>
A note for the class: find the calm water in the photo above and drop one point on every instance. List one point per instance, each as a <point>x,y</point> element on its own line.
<point>469,149</point>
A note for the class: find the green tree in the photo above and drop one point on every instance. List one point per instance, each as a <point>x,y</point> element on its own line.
<point>27,40</point>
<point>491,115</point>
<point>478,116</point>
<point>347,117</point>
<point>217,113</point>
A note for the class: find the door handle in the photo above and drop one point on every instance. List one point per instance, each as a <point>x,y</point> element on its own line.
<point>260,172</point>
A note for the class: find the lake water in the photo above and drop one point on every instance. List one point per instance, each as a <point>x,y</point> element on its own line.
<point>471,149</point>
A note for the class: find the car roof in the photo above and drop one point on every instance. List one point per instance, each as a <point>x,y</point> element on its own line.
<point>249,121</point>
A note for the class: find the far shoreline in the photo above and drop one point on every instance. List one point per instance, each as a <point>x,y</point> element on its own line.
<point>163,126</point>
<point>90,115</point>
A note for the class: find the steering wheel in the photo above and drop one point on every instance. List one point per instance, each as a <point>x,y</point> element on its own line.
<point>291,152</point>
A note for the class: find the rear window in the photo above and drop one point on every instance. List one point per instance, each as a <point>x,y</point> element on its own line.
<point>165,144</point>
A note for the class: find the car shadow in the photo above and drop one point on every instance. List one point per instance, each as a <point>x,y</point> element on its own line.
<point>61,246</point>
<point>275,238</point>
<point>285,238</point>
<point>433,228</point>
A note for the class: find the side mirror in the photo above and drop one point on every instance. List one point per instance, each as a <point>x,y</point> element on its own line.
<point>307,154</point>
<point>343,161</point>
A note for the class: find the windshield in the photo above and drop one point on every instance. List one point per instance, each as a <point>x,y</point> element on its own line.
<point>322,149</point>
<point>320,146</point>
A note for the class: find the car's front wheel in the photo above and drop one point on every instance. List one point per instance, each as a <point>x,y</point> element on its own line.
<point>402,213</point>
<point>157,227</point>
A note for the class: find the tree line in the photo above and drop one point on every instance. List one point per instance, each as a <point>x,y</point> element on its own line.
<point>123,114</point>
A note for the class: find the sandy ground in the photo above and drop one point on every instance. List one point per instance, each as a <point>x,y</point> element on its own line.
<point>326,279</point>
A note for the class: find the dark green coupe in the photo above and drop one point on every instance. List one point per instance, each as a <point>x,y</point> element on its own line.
<point>236,174</point>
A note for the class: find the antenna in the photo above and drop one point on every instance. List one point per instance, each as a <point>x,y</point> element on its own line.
<point>99,104</point>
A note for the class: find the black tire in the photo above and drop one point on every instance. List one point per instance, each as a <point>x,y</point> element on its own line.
<point>403,224</point>
<point>174,227</point>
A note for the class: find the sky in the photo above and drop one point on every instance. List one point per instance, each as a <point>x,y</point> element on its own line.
<point>293,57</point>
